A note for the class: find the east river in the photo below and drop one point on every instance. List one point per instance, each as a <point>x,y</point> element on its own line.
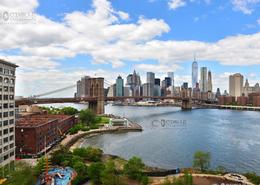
<point>171,137</point>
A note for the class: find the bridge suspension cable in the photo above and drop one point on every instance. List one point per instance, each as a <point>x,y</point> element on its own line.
<point>54,91</point>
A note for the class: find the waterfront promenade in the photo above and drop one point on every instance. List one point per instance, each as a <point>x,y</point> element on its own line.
<point>70,140</point>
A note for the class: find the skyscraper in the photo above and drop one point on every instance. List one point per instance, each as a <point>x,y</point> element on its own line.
<point>150,77</point>
<point>119,86</point>
<point>157,81</point>
<point>194,77</point>
<point>167,82</point>
<point>171,76</point>
<point>236,82</point>
<point>209,81</point>
<point>82,87</point>
<point>7,129</point>
<point>150,83</point>
<point>203,79</point>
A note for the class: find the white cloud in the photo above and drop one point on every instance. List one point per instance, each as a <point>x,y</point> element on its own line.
<point>104,34</point>
<point>174,4</point>
<point>245,6</point>
<point>258,21</point>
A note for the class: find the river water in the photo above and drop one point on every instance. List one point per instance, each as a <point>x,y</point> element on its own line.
<point>171,137</point>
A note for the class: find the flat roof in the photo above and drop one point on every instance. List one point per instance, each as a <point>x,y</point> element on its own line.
<point>8,63</point>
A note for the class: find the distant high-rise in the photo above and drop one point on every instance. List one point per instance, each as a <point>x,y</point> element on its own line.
<point>83,87</point>
<point>150,83</point>
<point>157,81</point>
<point>119,86</point>
<point>171,76</point>
<point>236,82</point>
<point>133,80</point>
<point>112,91</point>
<point>203,79</point>
<point>218,93</point>
<point>194,77</point>
<point>150,77</point>
<point>209,81</point>
<point>167,82</point>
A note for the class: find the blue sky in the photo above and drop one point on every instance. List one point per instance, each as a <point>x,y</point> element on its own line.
<point>106,38</point>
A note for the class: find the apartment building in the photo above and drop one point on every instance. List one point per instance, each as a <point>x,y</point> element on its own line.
<point>7,112</point>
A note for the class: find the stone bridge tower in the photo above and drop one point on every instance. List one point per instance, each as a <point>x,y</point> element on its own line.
<point>186,101</point>
<point>96,90</point>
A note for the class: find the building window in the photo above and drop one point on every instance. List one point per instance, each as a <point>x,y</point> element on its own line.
<point>1,123</point>
<point>11,129</point>
<point>11,113</point>
<point>11,154</point>
<point>12,81</point>
<point>5,148</point>
<point>0,150</point>
<point>12,72</point>
<point>1,99</point>
<point>11,145</point>
<point>5,88</point>
<point>5,122</point>
<point>11,97</point>
<point>0,133</point>
<point>6,157</point>
<point>6,71</point>
<point>11,105</point>
<point>5,105</point>
<point>11,121</point>
<point>5,97</point>
<point>1,79</point>
<point>5,114</point>
<point>1,70</point>
<point>11,89</point>
<point>6,80</point>
<point>11,138</point>
<point>5,131</point>
<point>6,140</point>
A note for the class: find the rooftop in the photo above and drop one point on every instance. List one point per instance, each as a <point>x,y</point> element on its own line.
<point>38,119</point>
<point>7,63</point>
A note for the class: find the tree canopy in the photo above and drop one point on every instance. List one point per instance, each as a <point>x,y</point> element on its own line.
<point>201,160</point>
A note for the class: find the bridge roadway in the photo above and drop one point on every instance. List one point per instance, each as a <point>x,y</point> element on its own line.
<point>30,101</point>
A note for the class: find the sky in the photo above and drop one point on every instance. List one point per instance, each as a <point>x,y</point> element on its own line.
<point>56,42</point>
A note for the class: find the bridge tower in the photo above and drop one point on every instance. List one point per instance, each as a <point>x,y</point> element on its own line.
<point>96,90</point>
<point>186,101</point>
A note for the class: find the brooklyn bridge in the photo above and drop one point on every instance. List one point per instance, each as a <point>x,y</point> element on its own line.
<point>96,99</point>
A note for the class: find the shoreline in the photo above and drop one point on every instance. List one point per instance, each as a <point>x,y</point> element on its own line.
<point>71,140</point>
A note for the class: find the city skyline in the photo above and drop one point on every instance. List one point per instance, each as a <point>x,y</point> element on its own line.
<point>136,38</point>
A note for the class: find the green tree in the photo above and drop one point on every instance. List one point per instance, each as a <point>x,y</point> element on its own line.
<point>133,168</point>
<point>253,177</point>
<point>201,160</point>
<point>22,175</point>
<point>62,156</point>
<point>87,116</point>
<point>89,153</point>
<point>94,172</point>
<point>81,168</point>
<point>109,175</point>
<point>69,111</point>
<point>39,167</point>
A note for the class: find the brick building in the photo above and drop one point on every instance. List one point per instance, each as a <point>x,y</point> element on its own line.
<point>242,100</point>
<point>253,100</point>
<point>33,132</point>
<point>226,100</point>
